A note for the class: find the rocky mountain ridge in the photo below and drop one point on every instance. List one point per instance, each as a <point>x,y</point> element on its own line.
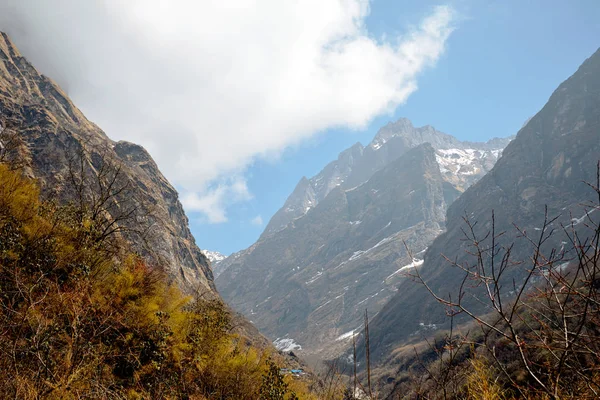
<point>462,163</point>
<point>53,133</point>
<point>214,256</point>
<point>215,259</point>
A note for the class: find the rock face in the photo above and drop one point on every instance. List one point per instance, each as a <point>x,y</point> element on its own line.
<point>545,165</point>
<point>461,163</point>
<point>54,131</point>
<point>337,245</point>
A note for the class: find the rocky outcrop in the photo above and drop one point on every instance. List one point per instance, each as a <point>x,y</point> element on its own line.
<point>54,132</point>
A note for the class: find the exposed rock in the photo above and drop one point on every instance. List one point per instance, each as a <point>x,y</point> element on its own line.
<point>55,131</point>
<point>215,259</point>
<point>337,246</point>
<point>462,163</point>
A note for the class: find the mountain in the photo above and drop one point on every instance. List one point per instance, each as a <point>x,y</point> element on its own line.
<point>53,133</point>
<point>214,256</point>
<point>546,165</point>
<point>464,163</point>
<point>337,245</point>
<point>215,259</point>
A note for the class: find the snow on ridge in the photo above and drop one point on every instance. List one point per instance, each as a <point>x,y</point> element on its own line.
<point>359,253</point>
<point>347,335</point>
<point>322,305</point>
<point>413,264</point>
<point>577,221</point>
<point>314,278</point>
<point>369,297</point>
<point>423,251</point>
<point>214,256</point>
<point>356,255</point>
<point>286,344</point>
<point>464,161</point>
<point>376,145</point>
<point>263,302</point>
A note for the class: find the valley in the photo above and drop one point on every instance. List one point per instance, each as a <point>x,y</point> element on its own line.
<point>415,264</point>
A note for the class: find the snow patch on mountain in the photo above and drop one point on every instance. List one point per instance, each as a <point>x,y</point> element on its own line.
<point>413,264</point>
<point>214,256</point>
<point>577,221</point>
<point>286,344</point>
<point>314,278</point>
<point>348,335</point>
<point>465,161</point>
<point>461,164</point>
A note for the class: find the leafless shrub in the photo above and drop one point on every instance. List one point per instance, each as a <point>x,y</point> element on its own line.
<point>548,322</point>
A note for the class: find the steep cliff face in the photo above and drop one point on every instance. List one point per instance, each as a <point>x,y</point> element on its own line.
<point>546,165</point>
<point>54,132</point>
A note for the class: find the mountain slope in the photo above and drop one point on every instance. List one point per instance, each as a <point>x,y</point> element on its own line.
<point>545,165</point>
<point>55,133</point>
<point>306,284</point>
<point>463,162</point>
<point>341,256</point>
<point>215,259</point>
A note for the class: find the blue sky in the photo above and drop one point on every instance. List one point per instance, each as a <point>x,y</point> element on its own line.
<point>499,67</point>
<point>236,101</point>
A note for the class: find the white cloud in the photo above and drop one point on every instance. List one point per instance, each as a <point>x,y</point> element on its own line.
<point>214,201</point>
<point>208,86</point>
<point>258,221</point>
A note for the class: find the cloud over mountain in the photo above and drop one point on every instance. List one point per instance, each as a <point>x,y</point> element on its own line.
<point>207,87</point>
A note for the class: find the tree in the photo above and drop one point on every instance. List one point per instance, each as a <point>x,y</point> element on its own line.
<point>273,385</point>
<point>548,323</point>
<point>79,320</point>
<point>103,195</point>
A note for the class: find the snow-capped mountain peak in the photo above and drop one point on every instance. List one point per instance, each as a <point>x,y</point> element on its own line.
<point>461,164</point>
<point>214,256</point>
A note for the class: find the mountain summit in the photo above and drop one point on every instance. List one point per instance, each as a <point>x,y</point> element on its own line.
<point>462,163</point>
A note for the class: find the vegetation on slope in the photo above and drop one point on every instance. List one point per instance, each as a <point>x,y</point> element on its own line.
<point>81,316</point>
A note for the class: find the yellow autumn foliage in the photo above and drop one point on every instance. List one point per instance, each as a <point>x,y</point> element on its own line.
<point>81,319</point>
